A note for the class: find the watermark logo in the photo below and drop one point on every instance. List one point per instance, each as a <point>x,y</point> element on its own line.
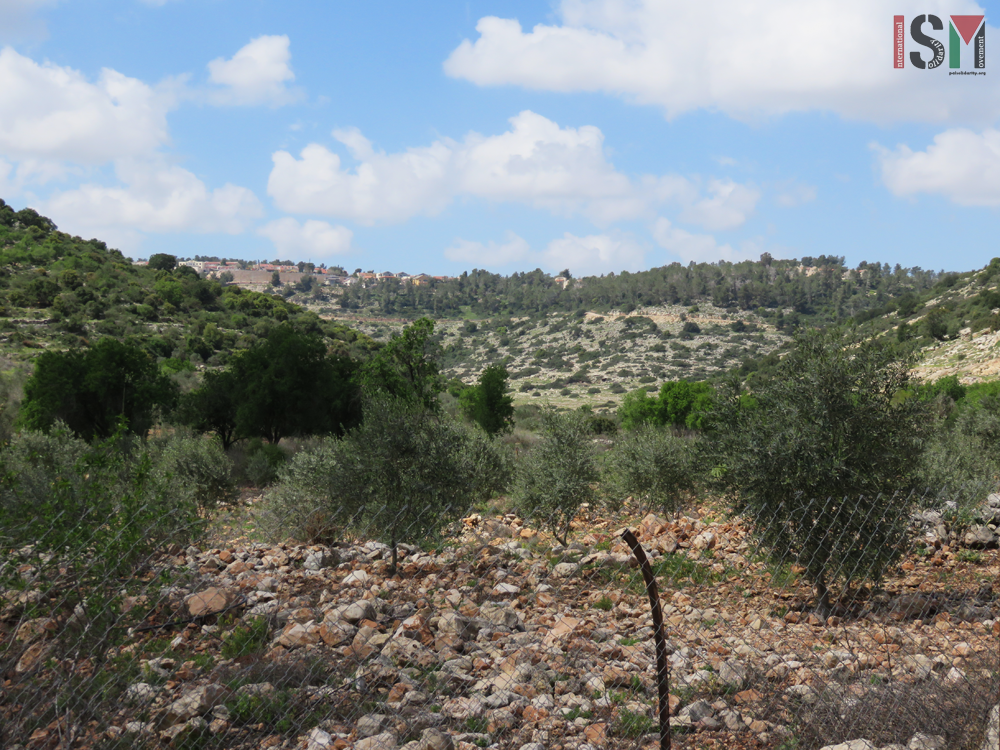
<point>963,32</point>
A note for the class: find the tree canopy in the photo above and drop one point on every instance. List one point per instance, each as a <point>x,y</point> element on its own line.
<point>92,389</point>
<point>821,458</point>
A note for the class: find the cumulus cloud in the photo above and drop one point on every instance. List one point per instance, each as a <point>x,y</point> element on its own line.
<point>153,198</point>
<point>745,59</point>
<point>728,207</point>
<point>585,256</point>
<point>489,255</point>
<point>50,112</point>
<point>595,254</point>
<point>259,73</point>
<point>312,239</point>
<point>961,165</point>
<point>536,162</point>
<point>698,247</point>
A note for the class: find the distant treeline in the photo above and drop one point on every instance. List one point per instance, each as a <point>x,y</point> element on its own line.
<point>819,290</point>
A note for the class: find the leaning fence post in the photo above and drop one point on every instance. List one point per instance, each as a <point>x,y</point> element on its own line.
<point>662,668</point>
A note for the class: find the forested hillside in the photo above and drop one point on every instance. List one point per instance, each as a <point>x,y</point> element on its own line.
<point>814,290</point>
<point>61,291</point>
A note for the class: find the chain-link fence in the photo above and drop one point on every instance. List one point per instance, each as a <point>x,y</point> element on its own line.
<point>495,635</point>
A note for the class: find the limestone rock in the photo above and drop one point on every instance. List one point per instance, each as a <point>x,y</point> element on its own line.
<point>384,741</point>
<point>194,703</point>
<point>211,601</point>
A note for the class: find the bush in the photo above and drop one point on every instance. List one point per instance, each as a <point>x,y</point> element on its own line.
<point>653,466</point>
<point>85,519</point>
<point>402,476</point>
<point>261,462</point>
<point>557,476</point>
<point>822,457</point>
<point>960,461</point>
<point>196,466</point>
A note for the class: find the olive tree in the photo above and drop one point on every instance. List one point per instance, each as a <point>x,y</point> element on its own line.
<point>559,474</point>
<point>821,457</point>
<point>401,476</point>
<point>652,465</point>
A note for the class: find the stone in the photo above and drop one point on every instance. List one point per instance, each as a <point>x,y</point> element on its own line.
<point>141,693</point>
<point>435,739</point>
<point>317,739</point>
<point>183,735</point>
<point>732,674</point>
<point>564,569</point>
<point>336,633</point>
<point>504,588</point>
<point>211,601</point>
<point>33,656</point>
<point>320,559</point>
<point>852,745</point>
<point>296,635</point>
<point>926,742</point>
<point>371,724</point>
<point>697,711</point>
<point>384,741</point>
<point>407,652</point>
<point>455,624</point>
<point>501,614</point>
<point>358,578</point>
<point>194,703</point>
<point>979,537</point>
<point>463,708</point>
<point>992,740</point>
<point>351,613</point>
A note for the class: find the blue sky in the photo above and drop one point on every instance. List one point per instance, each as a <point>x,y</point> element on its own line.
<point>598,135</point>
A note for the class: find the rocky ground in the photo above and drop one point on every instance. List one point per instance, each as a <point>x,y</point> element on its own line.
<point>502,638</point>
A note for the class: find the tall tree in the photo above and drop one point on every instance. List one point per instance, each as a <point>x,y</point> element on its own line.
<point>488,403</point>
<point>407,366</point>
<point>91,390</point>
<point>288,385</point>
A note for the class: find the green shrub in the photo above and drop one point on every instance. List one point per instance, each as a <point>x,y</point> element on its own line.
<point>558,475</point>
<point>195,465</point>
<point>90,515</point>
<point>653,466</point>
<point>246,639</point>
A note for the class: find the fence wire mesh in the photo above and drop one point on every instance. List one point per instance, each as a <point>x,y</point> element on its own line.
<point>498,636</point>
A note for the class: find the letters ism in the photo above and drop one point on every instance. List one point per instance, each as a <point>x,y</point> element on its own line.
<point>961,29</point>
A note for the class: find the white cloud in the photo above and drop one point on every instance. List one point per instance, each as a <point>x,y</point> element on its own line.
<point>595,254</point>
<point>795,194</point>
<point>312,239</point>
<point>584,256</point>
<point>536,162</point>
<point>490,255</point>
<point>259,73</point>
<point>50,112</point>
<point>17,18</point>
<point>154,198</point>
<point>961,165</point>
<point>745,59</point>
<point>698,247</point>
<point>728,207</point>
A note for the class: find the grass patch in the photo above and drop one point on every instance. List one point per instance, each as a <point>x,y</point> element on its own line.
<point>246,639</point>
